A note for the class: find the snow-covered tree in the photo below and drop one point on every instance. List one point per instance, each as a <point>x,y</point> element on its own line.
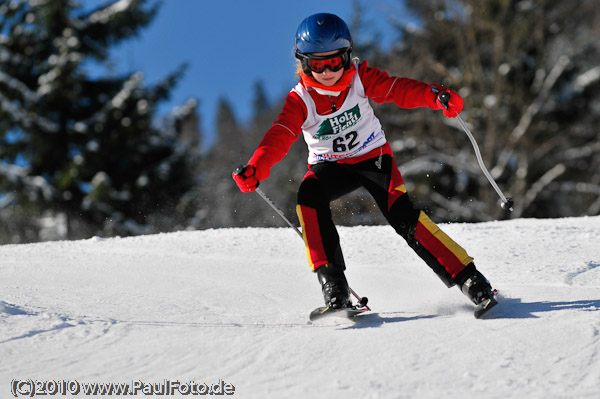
<point>83,147</point>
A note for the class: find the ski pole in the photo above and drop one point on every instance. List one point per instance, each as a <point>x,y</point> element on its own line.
<point>239,170</point>
<point>507,203</point>
<point>279,211</point>
<point>362,301</point>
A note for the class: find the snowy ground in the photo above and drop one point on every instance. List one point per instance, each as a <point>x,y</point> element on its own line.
<point>233,304</point>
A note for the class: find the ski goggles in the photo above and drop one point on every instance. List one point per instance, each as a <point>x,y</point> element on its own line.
<point>318,64</point>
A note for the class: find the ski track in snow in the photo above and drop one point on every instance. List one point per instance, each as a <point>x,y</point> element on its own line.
<point>233,304</point>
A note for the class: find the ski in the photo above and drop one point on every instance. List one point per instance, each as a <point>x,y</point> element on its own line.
<point>486,305</point>
<point>326,311</point>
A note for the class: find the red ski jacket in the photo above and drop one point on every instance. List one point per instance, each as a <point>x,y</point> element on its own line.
<point>379,87</point>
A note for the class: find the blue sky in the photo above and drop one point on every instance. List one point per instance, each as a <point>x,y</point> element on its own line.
<point>230,45</point>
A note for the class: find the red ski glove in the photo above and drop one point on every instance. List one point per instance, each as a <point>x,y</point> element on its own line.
<point>245,178</point>
<point>454,105</point>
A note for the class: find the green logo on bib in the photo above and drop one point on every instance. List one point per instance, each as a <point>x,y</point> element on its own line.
<point>337,124</point>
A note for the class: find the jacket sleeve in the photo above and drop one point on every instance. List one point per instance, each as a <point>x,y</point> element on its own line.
<point>279,138</point>
<point>404,92</point>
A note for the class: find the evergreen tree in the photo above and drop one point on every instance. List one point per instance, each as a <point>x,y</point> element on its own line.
<point>216,195</point>
<point>77,146</point>
<point>260,102</point>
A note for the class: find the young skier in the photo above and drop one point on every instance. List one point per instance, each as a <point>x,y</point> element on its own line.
<point>348,149</point>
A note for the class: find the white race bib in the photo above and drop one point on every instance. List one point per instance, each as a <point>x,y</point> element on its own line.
<point>351,131</point>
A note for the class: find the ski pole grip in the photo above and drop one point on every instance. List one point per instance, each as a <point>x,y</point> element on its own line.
<point>444,97</point>
<point>239,170</point>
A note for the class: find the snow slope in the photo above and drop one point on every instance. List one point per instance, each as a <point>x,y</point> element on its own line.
<point>233,305</point>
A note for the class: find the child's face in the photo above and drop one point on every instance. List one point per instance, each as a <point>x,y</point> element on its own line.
<point>327,77</point>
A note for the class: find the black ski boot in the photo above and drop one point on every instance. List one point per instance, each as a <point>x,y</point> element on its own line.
<point>477,288</point>
<point>334,286</point>
<point>474,285</point>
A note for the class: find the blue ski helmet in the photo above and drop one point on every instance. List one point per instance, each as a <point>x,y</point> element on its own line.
<point>322,32</point>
